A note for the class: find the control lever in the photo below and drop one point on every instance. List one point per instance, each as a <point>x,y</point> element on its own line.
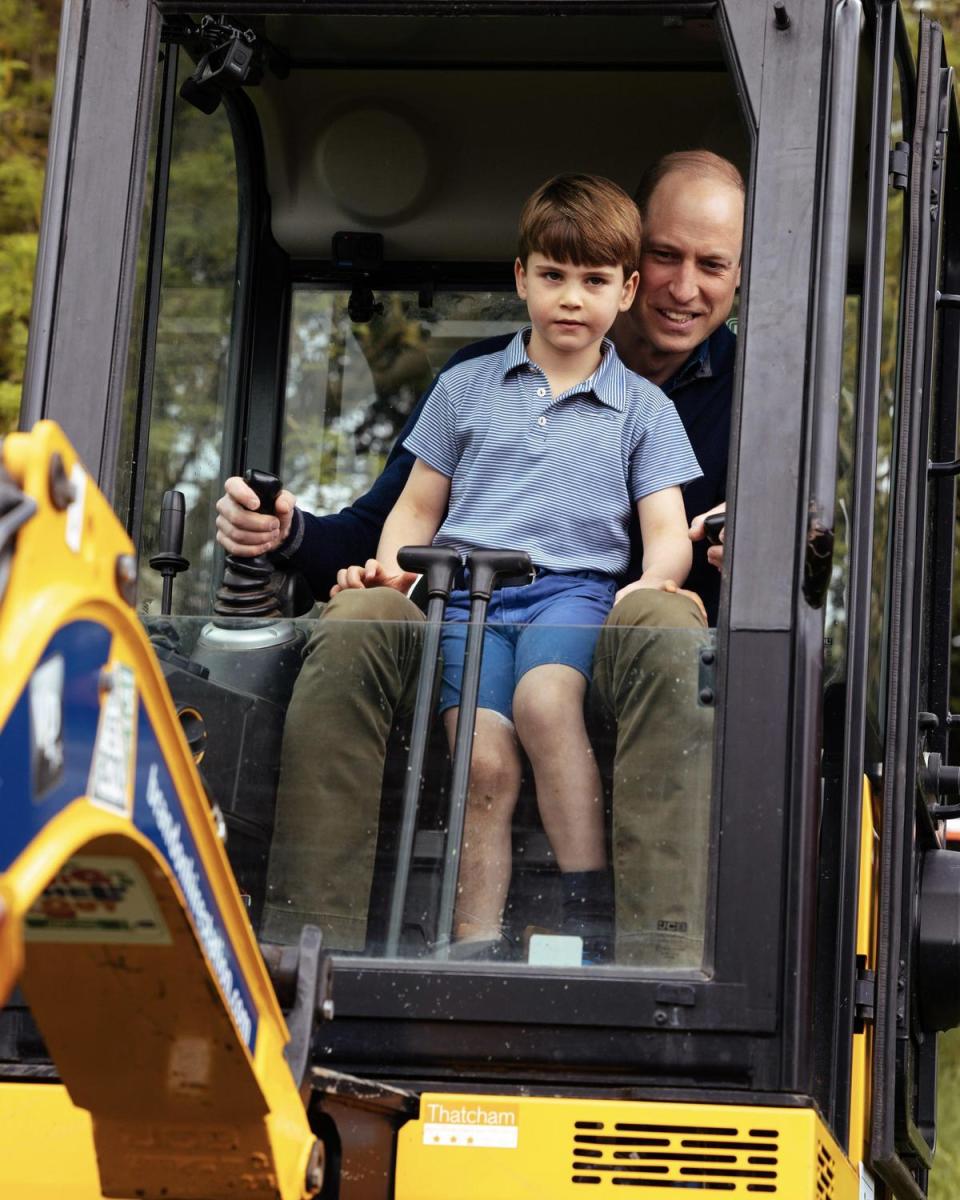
<point>512,567</point>
<point>440,565</point>
<point>245,591</point>
<point>169,560</point>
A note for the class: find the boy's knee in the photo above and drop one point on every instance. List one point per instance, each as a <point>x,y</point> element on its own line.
<point>545,709</point>
<point>652,608</point>
<point>494,773</point>
<point>371,604</point>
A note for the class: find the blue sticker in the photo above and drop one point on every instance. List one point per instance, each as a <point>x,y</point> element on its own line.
<point>46,748</point>
<point>44,768</point>
<point>158,813</point>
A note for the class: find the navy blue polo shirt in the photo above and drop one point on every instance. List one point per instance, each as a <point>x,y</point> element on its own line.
<point>702,391</point>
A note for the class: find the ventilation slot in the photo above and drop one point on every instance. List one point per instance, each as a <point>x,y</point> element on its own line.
<point>666,1159</point>
<point>826,1172</point>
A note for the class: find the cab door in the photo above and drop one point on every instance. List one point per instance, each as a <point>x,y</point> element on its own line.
<point>910,985</point>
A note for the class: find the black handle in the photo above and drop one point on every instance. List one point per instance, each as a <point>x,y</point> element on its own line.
<point>172,514</point>
<point>486,565</point>
<point>267,488</point>
<point>169,560</point>
<point>439,563</point>
<point>246,588</point>
<point>713,526</point>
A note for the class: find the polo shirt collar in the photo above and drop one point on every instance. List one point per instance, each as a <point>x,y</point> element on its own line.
<point>608,382</point>
<point>697,366</point>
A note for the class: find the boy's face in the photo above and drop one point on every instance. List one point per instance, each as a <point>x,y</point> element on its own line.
<point>571,307</point>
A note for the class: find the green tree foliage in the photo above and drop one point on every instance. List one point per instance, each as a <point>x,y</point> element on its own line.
<point>28,48</point>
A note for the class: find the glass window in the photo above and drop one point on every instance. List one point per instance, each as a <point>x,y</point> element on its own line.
<point>188,388</point>
<point>333,861</point>
<point>645,817</point>
<point>886,433</point>
<point>835,631</point>
<point>128,421</point>
<point>351,386</point>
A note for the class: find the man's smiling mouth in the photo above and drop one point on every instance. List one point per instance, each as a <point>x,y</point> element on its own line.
<point>678,318</point>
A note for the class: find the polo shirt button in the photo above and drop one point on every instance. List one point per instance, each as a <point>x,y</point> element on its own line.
<point>541,421</point>
<point>541,392</point>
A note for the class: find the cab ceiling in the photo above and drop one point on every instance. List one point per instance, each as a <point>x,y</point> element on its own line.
<point>432,131</point>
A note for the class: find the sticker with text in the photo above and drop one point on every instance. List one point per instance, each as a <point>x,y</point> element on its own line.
<point>97,899</point>
<point>111,767</point>
<point>470,1124</point>
<point>46,725</point>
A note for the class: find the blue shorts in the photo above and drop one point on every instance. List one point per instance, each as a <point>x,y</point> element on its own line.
<point>555,619</point>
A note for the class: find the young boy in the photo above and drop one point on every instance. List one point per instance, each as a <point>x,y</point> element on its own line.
<point>544,446</point>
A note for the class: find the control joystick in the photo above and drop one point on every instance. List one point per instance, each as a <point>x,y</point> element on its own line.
<point>169,560</point>
<point>246,590</point>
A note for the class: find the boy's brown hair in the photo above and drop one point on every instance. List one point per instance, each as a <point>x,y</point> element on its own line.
<point>581,219</point>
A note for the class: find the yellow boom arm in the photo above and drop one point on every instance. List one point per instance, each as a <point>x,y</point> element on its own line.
<point>119,914</point>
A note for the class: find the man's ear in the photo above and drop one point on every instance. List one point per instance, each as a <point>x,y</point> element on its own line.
<point>629,291</point>
<point>520,275</point>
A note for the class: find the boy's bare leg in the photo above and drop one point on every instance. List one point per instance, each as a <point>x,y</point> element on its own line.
<point>486,855</point>
<point>548,711</point>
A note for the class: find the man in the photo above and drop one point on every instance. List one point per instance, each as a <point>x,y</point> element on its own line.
<point>644,694</point>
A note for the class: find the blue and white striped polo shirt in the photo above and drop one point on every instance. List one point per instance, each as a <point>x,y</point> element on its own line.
<point>556,477</point>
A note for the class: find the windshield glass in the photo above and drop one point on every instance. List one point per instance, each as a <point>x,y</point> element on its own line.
<point>326,824</point>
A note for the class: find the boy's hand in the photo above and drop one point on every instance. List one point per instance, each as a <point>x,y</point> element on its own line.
<point>696,531</point>
<point>662,585</point>
<point>241,530</point>
<point>372,574</point>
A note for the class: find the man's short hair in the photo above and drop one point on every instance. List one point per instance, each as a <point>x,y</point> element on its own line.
<point>703,164</point>
<point>581,219</point>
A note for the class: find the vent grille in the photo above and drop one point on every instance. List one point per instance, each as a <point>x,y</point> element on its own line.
<point>670,1158</point>
<point>826,1172</point>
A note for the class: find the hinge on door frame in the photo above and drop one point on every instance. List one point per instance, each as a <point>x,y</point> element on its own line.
<point>865,994</point>
<point>899,168</point>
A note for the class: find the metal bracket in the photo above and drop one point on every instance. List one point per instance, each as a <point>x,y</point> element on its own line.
<point>302,978</point>
<point>707,680</point>
<point>936,779</point>
<point>899,165</point>
<point>865,995</point>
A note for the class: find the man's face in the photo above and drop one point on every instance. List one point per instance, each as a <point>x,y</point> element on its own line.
<point>690,266</point>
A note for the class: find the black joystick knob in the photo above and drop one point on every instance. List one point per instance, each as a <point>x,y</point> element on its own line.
<point>267,487</point>
<point>246,590</point>
<point>168,560</point>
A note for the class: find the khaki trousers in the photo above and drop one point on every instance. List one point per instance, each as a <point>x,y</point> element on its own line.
<point>645,713</point>
<point>359,677</point>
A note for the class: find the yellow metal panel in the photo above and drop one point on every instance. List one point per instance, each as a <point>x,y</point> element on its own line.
<point>861,1061</point>
<point>46,1145</point>
<point>478,1147</point>
<point>173,1039</point>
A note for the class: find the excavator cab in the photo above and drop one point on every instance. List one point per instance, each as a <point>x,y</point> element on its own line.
<point>266,229</point>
